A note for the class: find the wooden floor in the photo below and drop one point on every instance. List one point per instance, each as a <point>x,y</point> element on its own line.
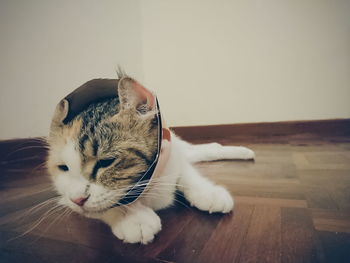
<point>291,205</point>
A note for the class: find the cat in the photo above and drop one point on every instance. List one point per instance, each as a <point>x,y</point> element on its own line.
<point>97,156</point>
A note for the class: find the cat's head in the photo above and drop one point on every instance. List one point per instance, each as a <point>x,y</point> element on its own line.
<point>96,157</point>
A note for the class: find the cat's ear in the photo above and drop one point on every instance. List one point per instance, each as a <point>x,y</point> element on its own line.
<point>133,95</point>
<point>60,114</point>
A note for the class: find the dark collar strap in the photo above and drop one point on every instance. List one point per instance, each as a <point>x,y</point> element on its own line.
<point>136,190</point>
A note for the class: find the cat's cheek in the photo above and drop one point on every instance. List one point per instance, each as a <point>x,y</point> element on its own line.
<point>69,185</point>
<point>63,186</point>
<point>61,183</point>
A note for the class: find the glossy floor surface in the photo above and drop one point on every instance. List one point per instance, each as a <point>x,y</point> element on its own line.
<point>291,205</point>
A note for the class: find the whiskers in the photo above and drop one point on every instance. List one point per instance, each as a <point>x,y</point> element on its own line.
<point>51,212</point>
<point>153,189</point>
<point>26,153</point>
<point>32,143</point>
<point>34,209</point>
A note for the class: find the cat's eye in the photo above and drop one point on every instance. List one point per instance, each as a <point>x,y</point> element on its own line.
<point>63,167</point>
<point>105,162</point>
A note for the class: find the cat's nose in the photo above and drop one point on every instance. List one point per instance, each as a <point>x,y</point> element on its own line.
<point>80,201</point>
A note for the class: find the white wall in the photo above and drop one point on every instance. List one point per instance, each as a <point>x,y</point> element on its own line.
<point>210,62</point>
<point>49,48</point>
<point>248,61</point>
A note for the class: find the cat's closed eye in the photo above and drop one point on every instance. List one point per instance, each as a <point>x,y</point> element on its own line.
<point>63,167</point>
<point>105,162</point>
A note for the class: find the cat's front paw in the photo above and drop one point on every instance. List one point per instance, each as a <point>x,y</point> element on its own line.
<point>138,226</point>
<point>213,199</point>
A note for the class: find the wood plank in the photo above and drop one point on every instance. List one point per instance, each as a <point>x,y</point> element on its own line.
<point>263,239</point>
<point>331,220</point>
<point>189,244</point>
<point>335,246</point>
<point>228,237</point>
<point>299,240</point>
<point>248,200</point>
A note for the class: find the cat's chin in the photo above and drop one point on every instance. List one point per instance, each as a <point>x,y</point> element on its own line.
<point>90,212</point>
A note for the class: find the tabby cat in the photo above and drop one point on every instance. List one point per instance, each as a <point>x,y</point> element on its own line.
<point>102,153</point>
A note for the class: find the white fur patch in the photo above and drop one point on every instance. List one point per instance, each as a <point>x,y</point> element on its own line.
<point>139,225</point>
<point>71,157</point>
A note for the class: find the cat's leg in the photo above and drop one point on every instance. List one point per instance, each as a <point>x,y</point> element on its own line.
<point>214,151</point>
<point>202,193</point>
<point>135,223</point>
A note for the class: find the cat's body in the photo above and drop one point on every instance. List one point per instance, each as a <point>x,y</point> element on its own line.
<point>102,152</point>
